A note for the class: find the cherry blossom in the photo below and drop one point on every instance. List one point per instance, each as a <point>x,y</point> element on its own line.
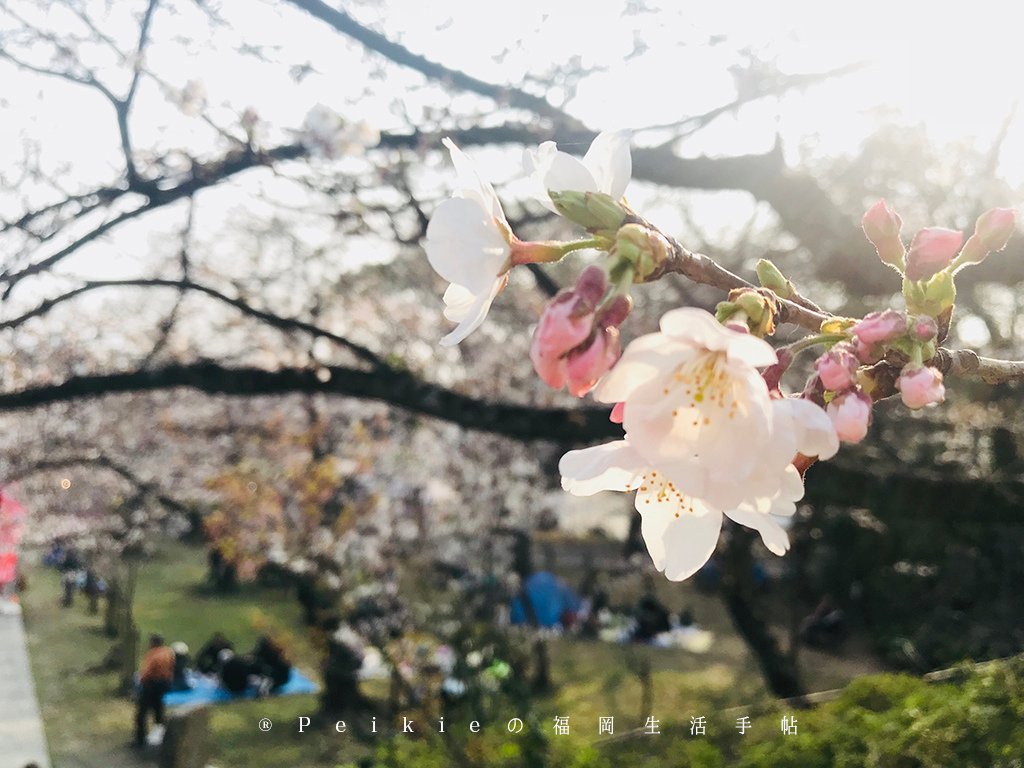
<point>325,133</point>
<point>838,367</point>
<point>882,226</point>
<point>680,529</point>
<point>992,232</point>
<point>695,402</point>
<point>606,167</point>
<point>468,243</point>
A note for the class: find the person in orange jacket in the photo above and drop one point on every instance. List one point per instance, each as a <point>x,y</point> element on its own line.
<point>155,677</point>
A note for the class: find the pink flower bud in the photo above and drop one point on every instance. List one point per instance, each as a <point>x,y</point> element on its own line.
<point>921,386</point>
<point>924,328</point>
<point>991,233</point>
<point>868,353</point>
<point>551,370</point>
<point>882,226</point>
<point>616,312</point>
<point>837,368</point>
<point>591,285</point>
<point>881,222</point>
<point>995,227</point>
<point>567,322</point>
<point>931,251</point>
<point>851,414</point>
<point>575,344</point>
<point>585,367</point>
<point>880,327</point>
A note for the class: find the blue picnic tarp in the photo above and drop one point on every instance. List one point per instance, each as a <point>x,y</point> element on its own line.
<point>550,597</point>
<point>207,690</point>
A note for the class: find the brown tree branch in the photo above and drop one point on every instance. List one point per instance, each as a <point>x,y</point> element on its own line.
<point>399,388</point>
<point>401,55</point>
<point>276,321</point>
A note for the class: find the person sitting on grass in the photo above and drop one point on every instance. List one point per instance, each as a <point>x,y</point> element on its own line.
<point>234,672</point>
<point>155,677</point>
<point>181,665</point>
<point>207,660</point>
<point>272,663</point>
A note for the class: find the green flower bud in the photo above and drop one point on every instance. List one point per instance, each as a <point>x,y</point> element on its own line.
<point>645,249</point>
<point>758,307</point>
<point>770,277</point>
<point>932,297</point>
<point>594,211</point>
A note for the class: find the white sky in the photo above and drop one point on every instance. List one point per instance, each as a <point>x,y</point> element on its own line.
<point>956,72</point>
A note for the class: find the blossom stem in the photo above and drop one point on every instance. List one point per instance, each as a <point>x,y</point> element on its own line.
<point>548,251</point>
<point>810,341</point>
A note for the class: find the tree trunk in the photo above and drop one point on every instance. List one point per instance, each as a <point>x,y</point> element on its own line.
<point>779,669</point>
<point>128,630</point>
<point>110,617</point>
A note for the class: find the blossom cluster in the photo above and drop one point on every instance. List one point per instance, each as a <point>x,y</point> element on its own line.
<point>708,432</point>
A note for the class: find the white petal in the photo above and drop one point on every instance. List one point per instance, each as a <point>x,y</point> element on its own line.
<point>772,534</point>
<point>812,429</point>
<point>536,163</point>
<point>791,488</point>
<point>744,347</point>
<point>679,546</point>
<point>647,358</point>
<point>458,302</point>
<point>700,329</point>
<point>567,173</point>
<point>472,315</point>
<point>472,184</point>
<point>610,162</point>
<point>464,245</point>
<point>613,466</point>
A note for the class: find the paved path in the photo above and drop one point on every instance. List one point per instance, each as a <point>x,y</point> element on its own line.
<point>21,728</point>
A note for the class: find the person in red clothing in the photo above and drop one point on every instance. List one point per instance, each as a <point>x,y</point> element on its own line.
<point>155,677</point>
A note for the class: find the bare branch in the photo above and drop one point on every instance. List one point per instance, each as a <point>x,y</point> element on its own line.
<point>968,364</point>
<point>401,55</point>
<point>399,388</point>
<point>281,323</point>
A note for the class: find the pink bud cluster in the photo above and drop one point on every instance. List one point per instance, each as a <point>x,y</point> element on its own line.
<point>872,334</point>
<point>850,407</point>
<point>935,249</point>
<point>919,385</point>
<point>577,337</point>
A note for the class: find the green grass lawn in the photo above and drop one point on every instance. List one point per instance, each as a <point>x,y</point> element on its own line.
<point>88,726</point>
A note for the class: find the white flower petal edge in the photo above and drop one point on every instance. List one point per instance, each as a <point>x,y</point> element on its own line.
<point>464,246</point>
<point>606,167</point>
<point>468,243</point>
<point>472,185</point>
<point>681,532</point>
<point>466,309</point>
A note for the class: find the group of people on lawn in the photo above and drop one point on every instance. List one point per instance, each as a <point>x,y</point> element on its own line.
<point>165,668</point>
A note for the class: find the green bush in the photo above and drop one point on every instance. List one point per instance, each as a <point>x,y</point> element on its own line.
<point>896,721</point>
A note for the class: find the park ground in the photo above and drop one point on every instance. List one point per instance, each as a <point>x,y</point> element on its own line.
<point>88,725</point>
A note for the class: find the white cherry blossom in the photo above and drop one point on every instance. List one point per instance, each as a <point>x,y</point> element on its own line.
<point>327,134</point>
<point>469,244</point>
<point>681,530</point>
<point>606,168</point>
<point>696,406</point>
